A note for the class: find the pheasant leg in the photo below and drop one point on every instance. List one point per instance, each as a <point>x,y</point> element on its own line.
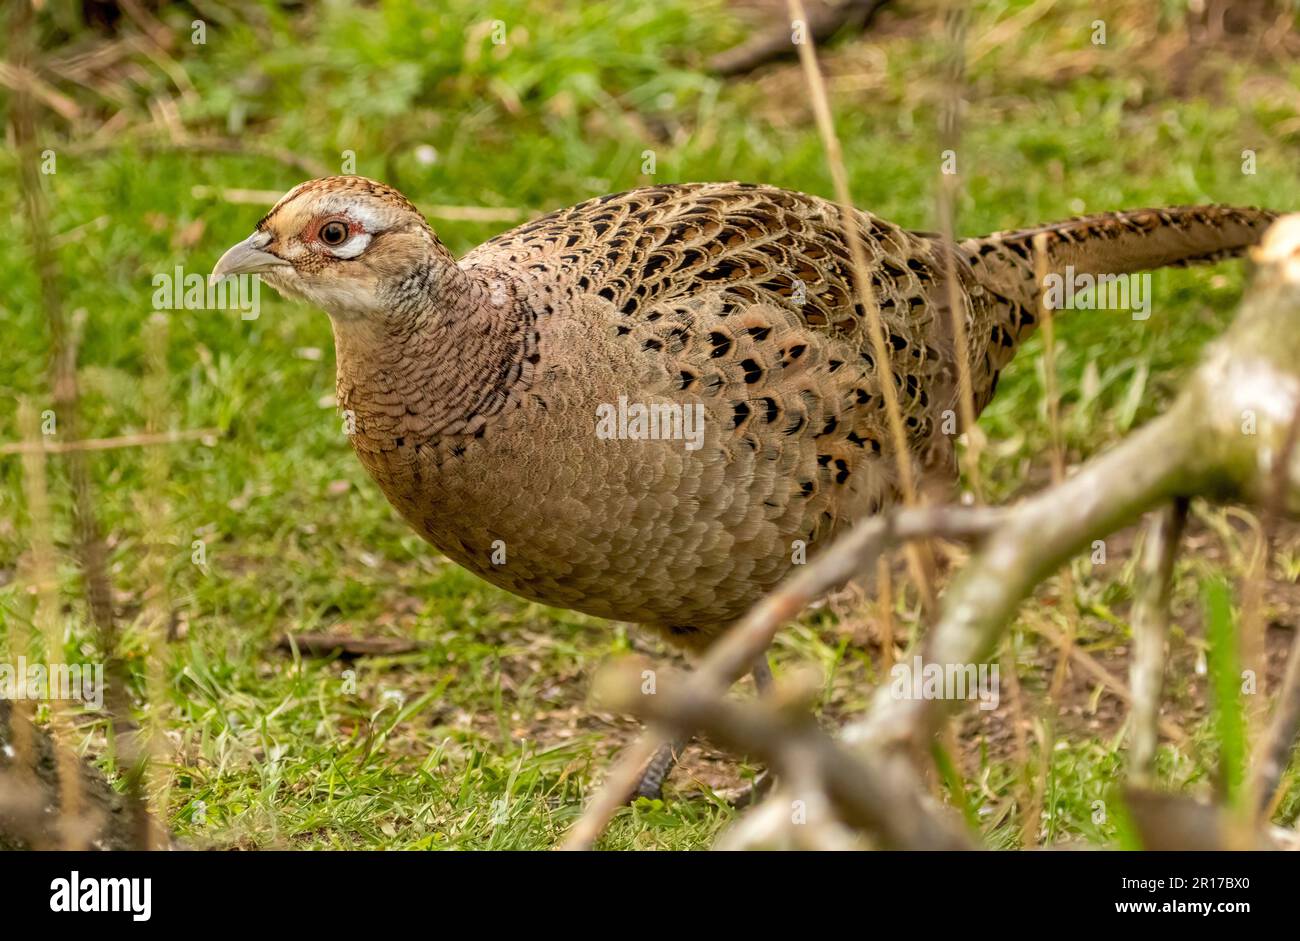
<point>665,759</point>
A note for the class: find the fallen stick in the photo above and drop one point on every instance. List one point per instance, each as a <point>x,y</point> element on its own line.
<point>108,444</point>
<point>778,44</point>
<point>327,645</point>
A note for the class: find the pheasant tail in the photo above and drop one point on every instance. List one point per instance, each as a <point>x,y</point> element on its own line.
<point>1111,243</point>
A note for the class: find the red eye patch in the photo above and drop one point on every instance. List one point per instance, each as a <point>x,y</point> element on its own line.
<point>331,231</point>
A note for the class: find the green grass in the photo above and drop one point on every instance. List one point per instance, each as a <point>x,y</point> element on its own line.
<point>483,738</point>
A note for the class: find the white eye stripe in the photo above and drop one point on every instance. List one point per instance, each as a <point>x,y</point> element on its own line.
<point>369,219</point>
<point>352,247</point>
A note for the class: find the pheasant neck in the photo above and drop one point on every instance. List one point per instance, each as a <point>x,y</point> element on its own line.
<point>437,366</point>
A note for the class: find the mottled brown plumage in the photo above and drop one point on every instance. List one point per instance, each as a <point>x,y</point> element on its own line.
<point>473,389</point>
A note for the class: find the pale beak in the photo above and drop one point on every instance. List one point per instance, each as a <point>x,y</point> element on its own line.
<point>247,257</point>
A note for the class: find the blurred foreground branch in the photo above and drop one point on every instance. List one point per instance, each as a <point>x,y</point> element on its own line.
<point>730,657</point>
<point>1228,436</point>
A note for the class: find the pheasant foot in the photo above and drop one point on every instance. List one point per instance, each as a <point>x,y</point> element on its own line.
<point>665,759</point>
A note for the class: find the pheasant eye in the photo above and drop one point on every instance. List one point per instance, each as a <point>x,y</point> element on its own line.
<point>333,233</point>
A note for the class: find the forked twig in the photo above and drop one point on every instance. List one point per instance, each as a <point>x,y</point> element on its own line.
<point>731,656</point>
<point>796,749</point>
<point>1196,448</point>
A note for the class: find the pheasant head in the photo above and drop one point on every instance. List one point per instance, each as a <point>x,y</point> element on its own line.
<point>352,246</point>
<point>404,312</point>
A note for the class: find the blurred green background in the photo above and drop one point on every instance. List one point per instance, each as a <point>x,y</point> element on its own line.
<point>483,737</point>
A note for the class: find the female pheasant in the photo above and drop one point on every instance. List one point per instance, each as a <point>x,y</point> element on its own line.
<point>641,406</point>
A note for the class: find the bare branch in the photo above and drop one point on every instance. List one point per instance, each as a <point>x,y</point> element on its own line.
<point>797,750</point>
<point>1218,439</point>
<point>731,656</point>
